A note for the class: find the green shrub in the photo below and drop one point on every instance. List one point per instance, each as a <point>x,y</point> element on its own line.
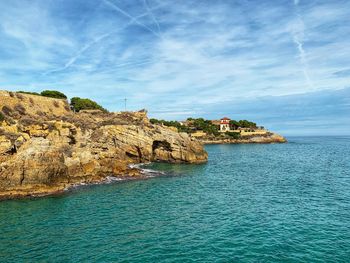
<point>243,124</point>
<point>28,92</point>
<point>154,121</point>
<point>2,117</point>
<point>53,94</point>
<point>234,135</point>
<point>175,124</point>
<point>246,124</point>
<point>79,104</point>
<point>204,125</point>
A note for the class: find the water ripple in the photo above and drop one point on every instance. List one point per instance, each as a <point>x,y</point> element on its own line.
<point>250,203</point>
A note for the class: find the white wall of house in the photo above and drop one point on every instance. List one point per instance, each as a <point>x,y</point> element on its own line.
<point>224,127</point>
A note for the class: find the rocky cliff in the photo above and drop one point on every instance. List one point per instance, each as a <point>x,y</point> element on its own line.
<point>45,148</point>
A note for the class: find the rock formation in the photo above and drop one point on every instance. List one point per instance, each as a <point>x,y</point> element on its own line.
<point>263,138</point>
<point>45,148</point>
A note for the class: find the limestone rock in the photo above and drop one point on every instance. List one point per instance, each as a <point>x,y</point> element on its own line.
<point>46,156</point>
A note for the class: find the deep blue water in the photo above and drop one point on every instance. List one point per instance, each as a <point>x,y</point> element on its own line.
<point>249,203</point>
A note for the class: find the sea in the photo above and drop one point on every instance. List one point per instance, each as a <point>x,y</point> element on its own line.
<point>250,203</point>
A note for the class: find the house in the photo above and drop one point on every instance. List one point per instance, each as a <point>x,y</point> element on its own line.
<point>225,124</point>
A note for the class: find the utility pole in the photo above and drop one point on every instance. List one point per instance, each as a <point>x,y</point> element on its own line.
<point>125,103</point>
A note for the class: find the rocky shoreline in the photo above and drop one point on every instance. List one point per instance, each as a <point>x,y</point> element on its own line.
<point>42,191</point>
<point>269,138</point>
<point>45,148</point>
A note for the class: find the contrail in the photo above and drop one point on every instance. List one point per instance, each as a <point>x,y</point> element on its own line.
<point>298,39</point>
<point>302,56</point>
<point>118,9</point>
<point>152,16</point>
<point>73,59</point>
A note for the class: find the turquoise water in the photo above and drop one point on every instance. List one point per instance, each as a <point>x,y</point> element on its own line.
<point>250,203</point>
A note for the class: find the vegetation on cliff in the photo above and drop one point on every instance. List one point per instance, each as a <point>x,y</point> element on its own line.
<point>200,124</point>
<point>243,124</point>
<point>193,125</point>
<point>233,135</point>
<point>53,94</point>
<point>27,92</point>
<point>176,124</point>
<point>46,93</point>
<point>204,125</point>
<point>79,104</point>
<point>208,131</point>
<point>76,103</point>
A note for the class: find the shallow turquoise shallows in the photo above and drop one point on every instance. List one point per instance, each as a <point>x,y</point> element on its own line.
<point>250,203</point>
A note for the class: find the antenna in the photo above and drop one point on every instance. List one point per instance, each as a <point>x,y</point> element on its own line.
<point>125,103</point>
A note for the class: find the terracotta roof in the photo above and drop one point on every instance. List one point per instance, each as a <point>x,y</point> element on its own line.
<point>225,118</point>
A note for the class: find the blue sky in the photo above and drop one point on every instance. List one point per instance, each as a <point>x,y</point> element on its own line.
<point>281,63</point>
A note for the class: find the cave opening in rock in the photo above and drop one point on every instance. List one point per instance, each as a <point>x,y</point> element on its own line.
<point>164,145</point>
<point>13,149</point>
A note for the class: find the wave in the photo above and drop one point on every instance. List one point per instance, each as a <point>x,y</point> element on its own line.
<point>145,172</point>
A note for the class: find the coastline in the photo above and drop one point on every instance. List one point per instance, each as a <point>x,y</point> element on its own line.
<point>139,173</point>
<point>272,138</point>
<point>45,147</point>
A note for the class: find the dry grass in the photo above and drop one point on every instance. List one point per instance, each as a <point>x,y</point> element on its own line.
<point>20,96</point>
<point>27,121</point>
<point>7,110</point>
<point>9,135</point>
<point>20,109</point>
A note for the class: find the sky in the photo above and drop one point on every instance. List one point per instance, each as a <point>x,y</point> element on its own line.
<point>281,63</point>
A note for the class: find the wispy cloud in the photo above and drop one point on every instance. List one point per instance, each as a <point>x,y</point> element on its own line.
<point>176,58</point>
<point>298,32</point>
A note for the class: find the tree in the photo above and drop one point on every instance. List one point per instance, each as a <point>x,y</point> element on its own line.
<point>246,124</point>
<point>175,124</point>
<point>234,124</point>
<point>53,94</point>
<point>79,104</point>
<point>204,125</point>
<point>154,121</point>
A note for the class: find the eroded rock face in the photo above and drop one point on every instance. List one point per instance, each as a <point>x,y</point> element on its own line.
<point>48,157</point>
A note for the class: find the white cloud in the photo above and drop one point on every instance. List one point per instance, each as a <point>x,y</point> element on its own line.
<point>182,56</point>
